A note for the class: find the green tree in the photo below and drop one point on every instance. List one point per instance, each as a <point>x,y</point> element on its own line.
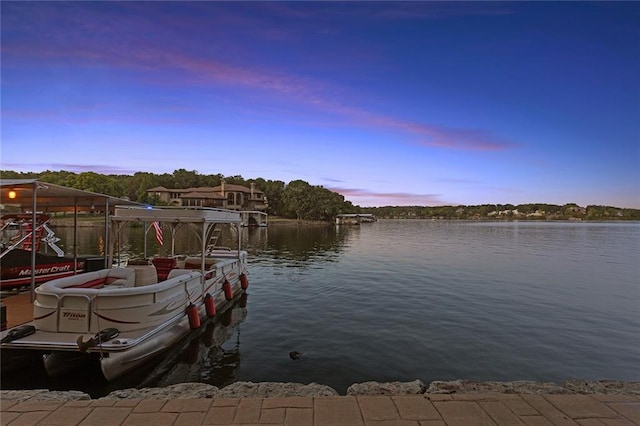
<point>136,187</point>
<point>273,192</point>
<point>93,182</point>
<point>296,199</point>
<point>62,178</point>
<point>212,180</point>
<point>235,180</point>
<point>10,174</point>
<point>185,178</point>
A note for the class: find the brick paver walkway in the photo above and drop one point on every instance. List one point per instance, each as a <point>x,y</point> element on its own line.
<point>430,409</point>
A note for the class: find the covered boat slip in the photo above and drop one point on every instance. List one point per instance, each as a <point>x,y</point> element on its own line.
<point>34,197</point>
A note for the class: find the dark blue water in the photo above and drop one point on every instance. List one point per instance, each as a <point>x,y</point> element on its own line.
<point>430,300</point>
<point>440,300</point>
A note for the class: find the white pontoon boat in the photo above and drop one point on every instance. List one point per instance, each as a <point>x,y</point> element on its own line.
<point>125,316</point>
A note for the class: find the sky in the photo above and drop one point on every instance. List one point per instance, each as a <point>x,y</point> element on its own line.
<point>387,103</point>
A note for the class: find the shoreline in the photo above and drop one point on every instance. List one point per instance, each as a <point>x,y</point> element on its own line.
<point>94,221</point>
<point>196,390</point>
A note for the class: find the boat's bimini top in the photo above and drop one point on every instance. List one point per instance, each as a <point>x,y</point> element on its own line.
<point>175,214</point>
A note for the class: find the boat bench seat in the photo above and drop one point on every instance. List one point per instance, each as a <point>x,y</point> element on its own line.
<point>145,274</point>
<point>164,265</point>
<point>104,278</point>
<point>195,263</point>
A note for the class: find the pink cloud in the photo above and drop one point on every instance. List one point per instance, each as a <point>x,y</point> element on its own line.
<point>439,10</point>
<point>366,197</point>
<point>470,139</point>
<point>193,66</point>
<point>441,136</point>
<point>386,10</point>
<point>208,71</point>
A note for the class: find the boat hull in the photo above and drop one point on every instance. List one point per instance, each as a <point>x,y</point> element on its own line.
<point>58,353</point>
<point>117,364</point>
<point>16,268</point>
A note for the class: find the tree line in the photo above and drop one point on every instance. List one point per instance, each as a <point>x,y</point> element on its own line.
<point>531,211</point>
<point>297,199</point>
<point>300,200</point>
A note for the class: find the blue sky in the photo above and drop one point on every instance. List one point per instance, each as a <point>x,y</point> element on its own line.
<point>388,103</point>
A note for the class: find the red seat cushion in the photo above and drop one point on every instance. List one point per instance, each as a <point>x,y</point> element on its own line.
<point>164,265</point>
<point>98,282</point>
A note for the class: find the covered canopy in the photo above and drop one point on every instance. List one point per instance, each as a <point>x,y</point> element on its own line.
<point>49,197</point>
<point>31,195</point>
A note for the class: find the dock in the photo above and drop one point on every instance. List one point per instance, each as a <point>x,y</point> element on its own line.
<point>19,309</point>
<point>354,218</point>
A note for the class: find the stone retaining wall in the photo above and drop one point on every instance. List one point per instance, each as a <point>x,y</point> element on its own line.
<point>278,390</point>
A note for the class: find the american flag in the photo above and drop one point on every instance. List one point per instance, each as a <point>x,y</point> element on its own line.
<point>158,228</point>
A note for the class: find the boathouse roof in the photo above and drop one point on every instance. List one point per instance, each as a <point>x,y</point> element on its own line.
<point>203,195</point>
<point>49,197</point>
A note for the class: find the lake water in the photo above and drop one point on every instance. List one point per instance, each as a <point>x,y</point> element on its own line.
<point>399,300</point>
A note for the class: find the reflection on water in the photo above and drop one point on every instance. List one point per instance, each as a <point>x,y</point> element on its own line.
<point>288,241</point>
<point>211,356</point>
<point>90,240</point>
<point>400,300</point>
<point>298,243</point>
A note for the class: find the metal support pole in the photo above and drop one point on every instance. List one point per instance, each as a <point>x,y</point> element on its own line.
<point>145,227</point>
<point>239,250</point>
<point>33,241</point>
<point>173,227</point>
<point>107,243</point>
<point>205,228</point>
<point>75,236</point>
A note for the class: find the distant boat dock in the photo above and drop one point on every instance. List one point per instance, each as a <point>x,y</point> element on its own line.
<point>354,218</point>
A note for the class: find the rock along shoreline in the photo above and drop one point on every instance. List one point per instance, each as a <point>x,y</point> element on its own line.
<point>280,390</point>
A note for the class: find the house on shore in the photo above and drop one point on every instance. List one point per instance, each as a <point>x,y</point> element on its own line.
<point>249,201</point>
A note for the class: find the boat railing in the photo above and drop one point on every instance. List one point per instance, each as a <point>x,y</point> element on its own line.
<point>30,234</point>
<point>8,224</point>
<point>212,248</point>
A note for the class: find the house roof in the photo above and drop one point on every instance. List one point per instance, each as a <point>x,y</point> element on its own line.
<point>205,189</point>
<point>199,189</point>
<point>203,195</point>
<point>234,187</point>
